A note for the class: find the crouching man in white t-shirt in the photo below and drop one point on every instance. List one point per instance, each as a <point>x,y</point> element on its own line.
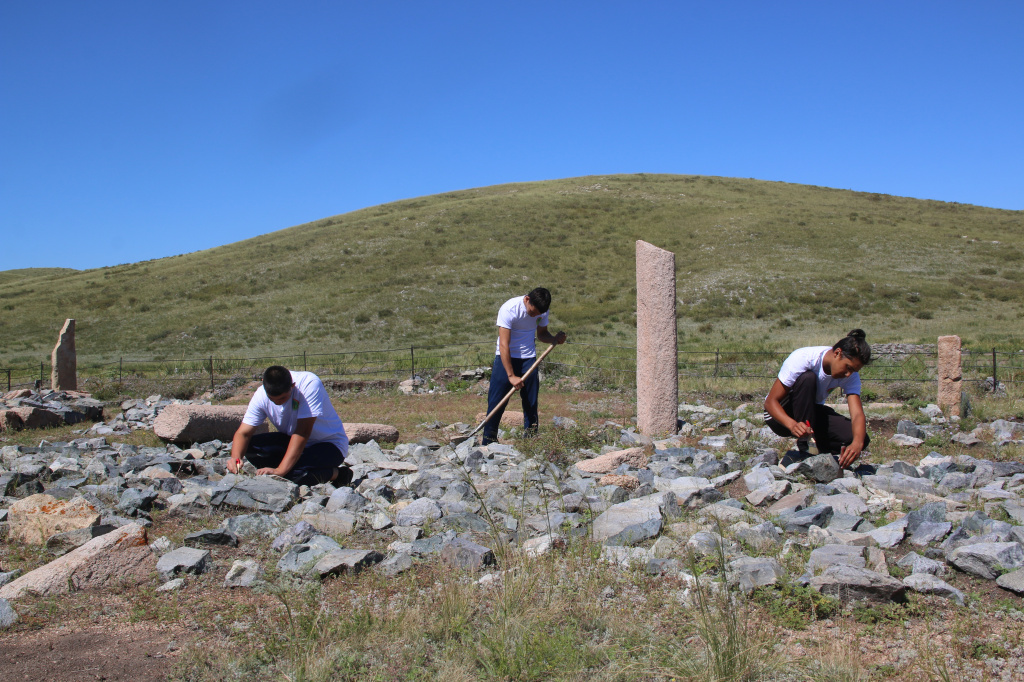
<point>521,320</point>
<point>310,444</point>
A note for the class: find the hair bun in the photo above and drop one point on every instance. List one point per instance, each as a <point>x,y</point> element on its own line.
<point>858,334</point>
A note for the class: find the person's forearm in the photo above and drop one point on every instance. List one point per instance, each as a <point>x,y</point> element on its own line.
<point>860,430</point>
<point>239,445</point>
<point>506,361</point>
<point>778,413</point>
<point>296,444</point>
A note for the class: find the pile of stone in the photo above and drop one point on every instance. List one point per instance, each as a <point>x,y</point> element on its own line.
<point>90,503</point>
<point>29,409</point>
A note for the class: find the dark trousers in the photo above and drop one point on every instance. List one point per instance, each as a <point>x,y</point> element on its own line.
<point>832,431</point>
<point>316,463</point>
<point>500,386</point>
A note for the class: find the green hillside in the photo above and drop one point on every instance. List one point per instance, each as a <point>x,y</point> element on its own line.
<point>759,263</point>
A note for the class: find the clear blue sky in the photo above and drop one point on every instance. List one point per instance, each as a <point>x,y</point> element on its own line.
<point>143,129</point>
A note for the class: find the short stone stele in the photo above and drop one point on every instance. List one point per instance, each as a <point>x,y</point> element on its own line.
<point>64,362</point>
<point>949,375</point>
<point>657,391</point>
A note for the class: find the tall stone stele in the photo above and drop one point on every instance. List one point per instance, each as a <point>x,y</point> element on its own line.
<point>657,378</point>
<point>64,361</point>
<point>950,375</point>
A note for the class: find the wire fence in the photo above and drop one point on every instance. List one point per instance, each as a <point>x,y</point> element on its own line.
<point>596,364</point>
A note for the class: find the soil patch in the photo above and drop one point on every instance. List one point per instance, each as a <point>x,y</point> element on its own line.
<point>139,653</point>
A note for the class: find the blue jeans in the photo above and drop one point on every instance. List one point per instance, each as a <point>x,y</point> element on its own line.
<point>500,385</point>
<point>316,463</point>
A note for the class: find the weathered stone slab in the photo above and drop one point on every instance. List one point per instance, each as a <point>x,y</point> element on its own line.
<point>1012,581</point>
<point>262,493</point>
<point>986,560</point>
<point>200,423</point>
<point>949,374</point>
<point>833,555</point>
<point>364,433</point>
<point>849,583</point>
<point>749,573</point>
<point>621,480</point>
<point>183,560</point>
<point>466,555</point>
<point>418,513</point>
<point>606,463</point>
<point>339,522</point>
<point>34,519</point>
<point>844,503</point>
<point>657,379</point>
<point>929,584</point>
<point>633,521</point>
<point>38,417</point>
<point>822,468</point>
<point>121,555</point>
<point>346,561</point>
<point>64,361</point>
<point>243,573</point>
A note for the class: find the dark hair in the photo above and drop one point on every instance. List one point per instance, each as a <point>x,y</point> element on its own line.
<point>276,380</point>
<point>540,298</point>
<point>855,346</point>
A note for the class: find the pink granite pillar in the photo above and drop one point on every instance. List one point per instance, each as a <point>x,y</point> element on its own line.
<point>64,361</point>
<point>949,375</point>
<point>657,379</point>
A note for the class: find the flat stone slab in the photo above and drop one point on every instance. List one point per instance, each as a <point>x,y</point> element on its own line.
<point>200,423</point>
<point>509,418</point>
<point>261,493</point>
<point>364,433</point>
<point>418,513</point>
<point>609,462</point>
<point>834,555</point>
<point>633,521</point>
<point>844,503</point>
<point>398,466</point>
<point>925,583</point>
<point>346,561</point>
<point>749,573</point>
<point>849,583</point>
<point>183,560</point>
<point>34,519</point>
<point>243,573</point>
<point>986,560</point>
<point>1013,581</point>
<point>121,555</point>
<point>466,555</point>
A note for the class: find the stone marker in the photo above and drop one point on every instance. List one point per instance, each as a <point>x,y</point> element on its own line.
<point>200,423</point>
<point>121,555</point>
<point>657,378</point>
<point>63,360</point>
<point>364,433</point>
<point>610,461</point>
<point>949,374</point>
<point>34,519</point>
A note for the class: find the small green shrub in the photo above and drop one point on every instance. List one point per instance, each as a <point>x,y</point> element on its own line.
<point>795,607</point>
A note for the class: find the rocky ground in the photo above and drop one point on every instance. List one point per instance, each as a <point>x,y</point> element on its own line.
<point>929,529</point>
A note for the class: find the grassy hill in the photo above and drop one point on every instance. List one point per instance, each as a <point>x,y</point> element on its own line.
<point>758,263</point>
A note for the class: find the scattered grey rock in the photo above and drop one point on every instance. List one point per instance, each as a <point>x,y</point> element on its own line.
<point>183,560</point>
<point>243,573</point>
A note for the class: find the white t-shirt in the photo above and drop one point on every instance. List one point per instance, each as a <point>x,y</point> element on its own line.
<point>523,341</point>
<point>803,359</point>
<point>309,399</point>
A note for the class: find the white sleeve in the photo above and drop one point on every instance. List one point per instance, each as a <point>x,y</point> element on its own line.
<point>852,386</point>
<point>256,413</point>
<point>313,405</point>
<point>542,321</point>
<point>795,365</point>
<point>504,317</point>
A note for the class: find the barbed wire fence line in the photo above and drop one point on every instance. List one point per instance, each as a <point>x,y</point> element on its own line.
<point>595,364</point>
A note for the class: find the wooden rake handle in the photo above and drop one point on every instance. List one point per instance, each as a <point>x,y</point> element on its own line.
<point>509,394</point>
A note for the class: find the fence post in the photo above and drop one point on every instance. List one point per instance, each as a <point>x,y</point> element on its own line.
<point>120,374</point>
<point>995,381</point>
<point>716,362</point>
<point>40,374</point>
<point>304,369</point>
<point>211,372</point>
<point>8,381</point>
<point>412,356</point>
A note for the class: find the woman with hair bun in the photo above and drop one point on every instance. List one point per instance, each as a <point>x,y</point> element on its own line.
<point>795,407</point>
